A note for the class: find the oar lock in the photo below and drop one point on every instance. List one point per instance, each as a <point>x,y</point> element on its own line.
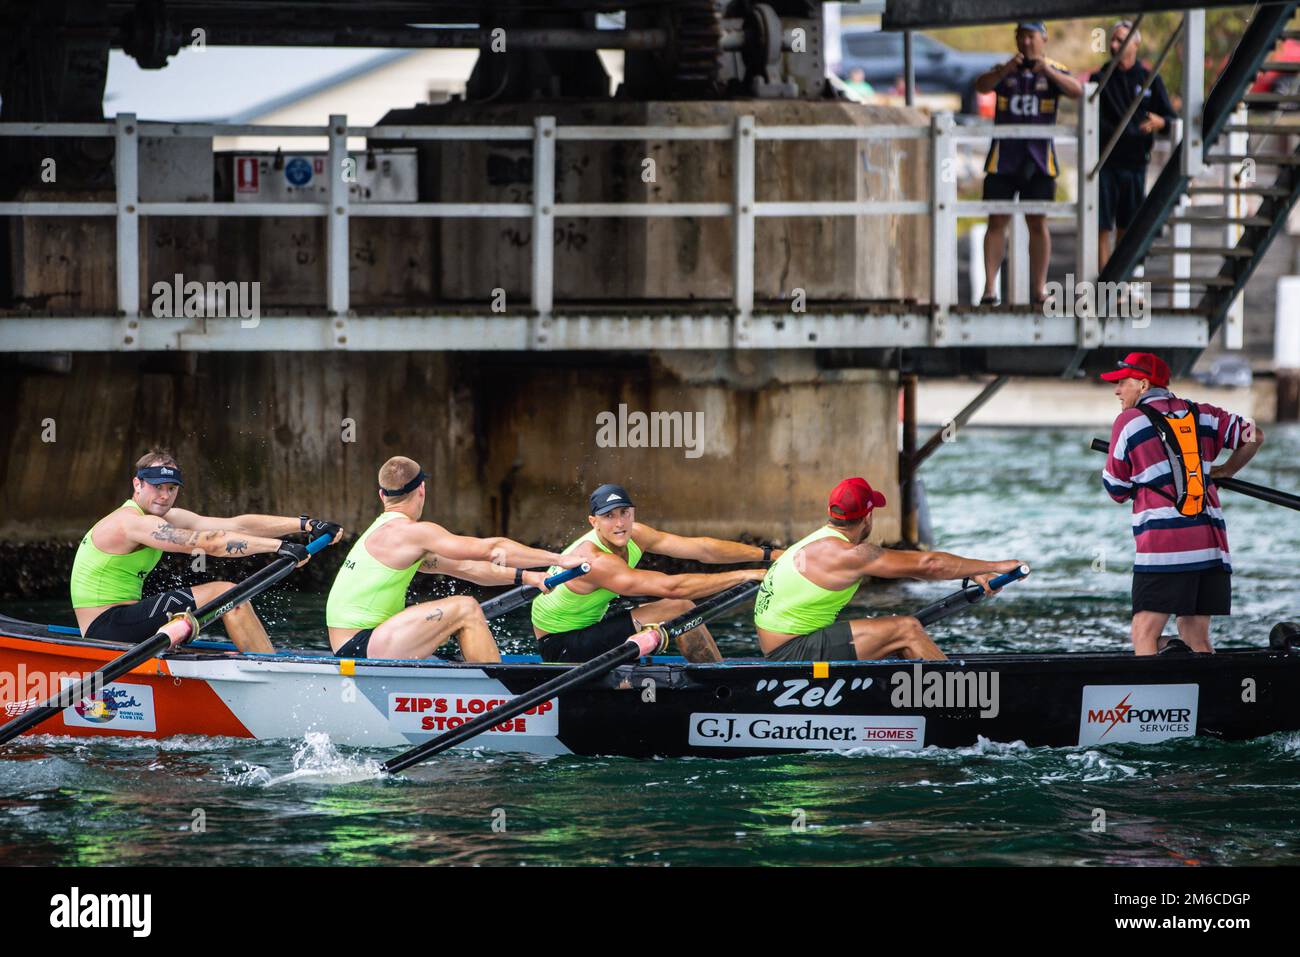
<point>658,628</point>
<point>191,624</point>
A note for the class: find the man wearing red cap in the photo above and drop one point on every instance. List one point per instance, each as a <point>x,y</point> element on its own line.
<point>806,587</point>
<point>1161,450</point>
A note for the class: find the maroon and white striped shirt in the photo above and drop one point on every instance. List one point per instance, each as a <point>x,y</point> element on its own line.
<point>1168,541</point>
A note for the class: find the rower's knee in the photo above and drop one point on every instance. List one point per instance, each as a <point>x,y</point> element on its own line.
<point>464,610</point>
<point>916,643</point>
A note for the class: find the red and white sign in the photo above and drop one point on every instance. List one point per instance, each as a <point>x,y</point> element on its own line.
<point>1137,713</point>
<point>246,174</point>
<point>810,732</point>
<point>424,713</point>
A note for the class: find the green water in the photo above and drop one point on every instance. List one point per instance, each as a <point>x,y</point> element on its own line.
<point>1031,495</point>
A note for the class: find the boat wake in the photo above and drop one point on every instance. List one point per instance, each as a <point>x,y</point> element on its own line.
<point>315,760</point>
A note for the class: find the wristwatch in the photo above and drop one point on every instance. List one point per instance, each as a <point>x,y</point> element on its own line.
<point>519,576</point>
<point>767,553</point>
<point>302,522</point>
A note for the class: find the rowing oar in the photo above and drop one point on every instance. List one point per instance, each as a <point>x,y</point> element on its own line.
<point>180,628</point>
<point>509,601</point>
<point>645,642</point>
<point>1261,492</point>
<point>951,604</point>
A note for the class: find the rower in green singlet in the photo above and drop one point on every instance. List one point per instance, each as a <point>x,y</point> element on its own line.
<point>805,590</point>
<point>117,554</point>
<point>570,622</point>
<point>366,611</point>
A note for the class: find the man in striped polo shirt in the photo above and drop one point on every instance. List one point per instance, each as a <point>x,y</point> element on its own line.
<point>1161,451</point>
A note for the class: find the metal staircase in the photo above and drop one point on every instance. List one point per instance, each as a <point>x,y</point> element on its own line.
<point>1168,204</point>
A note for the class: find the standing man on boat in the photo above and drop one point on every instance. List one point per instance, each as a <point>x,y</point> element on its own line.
<point>121,549</point>
<point>570,622</point>
<point>1029,88</point>
<point>366,611</point>
<point>805,589</point>
<point>1161,450</point>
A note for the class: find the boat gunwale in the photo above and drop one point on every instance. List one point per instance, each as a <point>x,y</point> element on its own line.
<point>223,651</point>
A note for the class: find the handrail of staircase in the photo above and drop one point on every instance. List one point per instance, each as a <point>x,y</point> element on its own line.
<point>1256,42</point>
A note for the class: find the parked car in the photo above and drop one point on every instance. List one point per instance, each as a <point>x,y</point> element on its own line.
<point>938,67</point>
<point>1226,371</point>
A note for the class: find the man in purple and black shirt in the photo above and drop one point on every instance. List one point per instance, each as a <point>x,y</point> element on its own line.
<point>1029,87</point>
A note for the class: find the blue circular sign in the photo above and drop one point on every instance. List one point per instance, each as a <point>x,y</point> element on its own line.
<point>298,171</point>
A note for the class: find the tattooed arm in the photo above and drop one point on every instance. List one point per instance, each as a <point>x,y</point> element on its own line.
<point>155,533</point>
<point>267,525</point>
<point>480,573</point>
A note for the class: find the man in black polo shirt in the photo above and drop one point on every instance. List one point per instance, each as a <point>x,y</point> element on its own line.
<point>1121,185</point>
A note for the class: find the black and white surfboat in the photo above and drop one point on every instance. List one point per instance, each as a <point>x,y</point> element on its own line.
<point>663,706</point>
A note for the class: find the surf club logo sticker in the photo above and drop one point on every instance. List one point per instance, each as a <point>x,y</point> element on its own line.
<point>1137,713</point>
<point>811,732</point>
<point>119,707</point>
<point>422,712</point>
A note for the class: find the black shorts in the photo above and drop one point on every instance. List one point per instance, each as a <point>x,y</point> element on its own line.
<point>1120,192</point>
<point>1183,593</point>
<point>358,646</point>
<point>1035,185</point>
<point>832,643</point>
<point>140,620</point>
<point>583,644</point>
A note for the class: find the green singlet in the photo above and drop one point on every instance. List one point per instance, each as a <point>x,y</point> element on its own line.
<point>562,610</point>
<point>366,592</point>
<point>99,578</point>
<point>790,604</point>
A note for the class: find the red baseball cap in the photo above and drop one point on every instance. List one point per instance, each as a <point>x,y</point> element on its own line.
<point>1140,365</point>
<point>854,499</point>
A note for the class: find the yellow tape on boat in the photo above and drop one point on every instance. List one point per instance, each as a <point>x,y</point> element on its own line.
<point>821,669</point>
<point>348,666</point>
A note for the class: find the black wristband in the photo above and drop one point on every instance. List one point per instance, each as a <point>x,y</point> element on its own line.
<point>767,553</point>
<point>519,576</point>
<point>302,522</point>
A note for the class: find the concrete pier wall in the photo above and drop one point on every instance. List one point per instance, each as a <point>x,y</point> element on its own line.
<point>511,442</point>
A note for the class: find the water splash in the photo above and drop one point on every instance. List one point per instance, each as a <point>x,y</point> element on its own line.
<point>316,760</point>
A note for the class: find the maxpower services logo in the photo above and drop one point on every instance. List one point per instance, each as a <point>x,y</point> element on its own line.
<point>1115,713</point>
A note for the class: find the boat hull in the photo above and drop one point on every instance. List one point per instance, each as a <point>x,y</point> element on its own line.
<point>665,707</point>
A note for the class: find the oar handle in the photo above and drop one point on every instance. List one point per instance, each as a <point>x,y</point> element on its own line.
<point>568,574</point>
<point>959,599</point>
<point>318,545</point>
<point>642,643</point>
<point>1006,578</point>
<point>509,601</point>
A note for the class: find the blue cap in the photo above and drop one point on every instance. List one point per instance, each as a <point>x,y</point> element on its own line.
<point>1038,25</point>
<point>160,475</point>
<point>609,497</point>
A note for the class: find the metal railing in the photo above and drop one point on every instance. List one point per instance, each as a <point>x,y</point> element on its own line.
<point>942,205</point>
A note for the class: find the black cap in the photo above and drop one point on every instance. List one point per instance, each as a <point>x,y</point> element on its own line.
<point>609,497</point>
